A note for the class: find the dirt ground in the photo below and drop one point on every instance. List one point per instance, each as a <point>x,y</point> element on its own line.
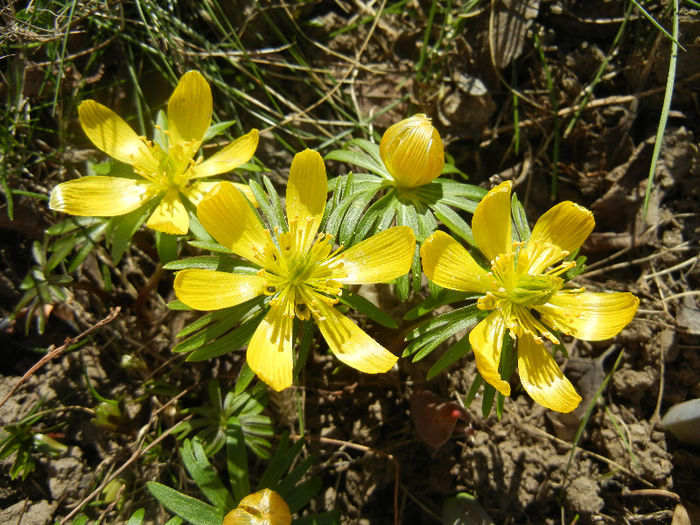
<point>375,465</point>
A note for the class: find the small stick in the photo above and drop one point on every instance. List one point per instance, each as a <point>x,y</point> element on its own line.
<point>55,352</point>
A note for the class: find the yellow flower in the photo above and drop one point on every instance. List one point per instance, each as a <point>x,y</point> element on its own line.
<point>525,294</point>
<point>163,175</point>
<point>299,270</point>
<point>412,151</point>
<point>264,507</point>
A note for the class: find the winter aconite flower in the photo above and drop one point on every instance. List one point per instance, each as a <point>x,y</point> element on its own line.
<point>299,269</point>
<point>524,293</point>
<point>412,151</point>
<point>264,507</point>
<point>164,175</point>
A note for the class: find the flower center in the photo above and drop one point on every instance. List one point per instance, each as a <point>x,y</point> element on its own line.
<point>516,292</point>
<point>300,276</point>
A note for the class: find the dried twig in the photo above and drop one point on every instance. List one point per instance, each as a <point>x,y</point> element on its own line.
<point>55,352</point>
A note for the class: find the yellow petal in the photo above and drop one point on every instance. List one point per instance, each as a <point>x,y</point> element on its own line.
<point>412,151</point>
<point>170,216</point>
<point>212,290</point>
<point>491,222</point>
<point>587,315</point>
<point>351,344</point>
<point>269,352</point>
<point>542,378</point>
<point>189,111</point>
<point>448,264</point>
<point>264,507</point>
<point>99,196</point>
<point>379,259</point>
<point>111,134</point>
<point>565,227</point>
<point>486,339</point>
<point>196,191</point>
<point>227,216</point>
<point>236,153</point>
<point>306,196</point>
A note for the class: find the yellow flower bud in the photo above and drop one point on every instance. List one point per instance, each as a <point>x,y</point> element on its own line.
<point>412,151</point>
<point>264,507</point>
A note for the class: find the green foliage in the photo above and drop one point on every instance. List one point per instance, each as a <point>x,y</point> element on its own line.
<point>284,474</point>
<point>25,440</point>
<point>213,421</point>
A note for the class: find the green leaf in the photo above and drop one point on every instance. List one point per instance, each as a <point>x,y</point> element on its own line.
<point>216,129</point>
<point>234,340</point>
<point>283,457</point>
<point>159,135</point>
<point>521,229</point>
<point>452,355</point>
<point>303,493</point>
<point>124,227</point>
<point>137,517</point>
<point>368,308</point>
<point>244,378</point>
<point>357,158</point>
<point>324,518</point>
<point>188,508</point>
<point>237,459</point>
<point>435,301</point>
<point>454,222</point>
<point>204,475</point>
<point>166,246</point>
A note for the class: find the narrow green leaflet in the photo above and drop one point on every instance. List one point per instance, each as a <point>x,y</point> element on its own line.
<point>359,303</point>
<point>198,466</point>
<point>188,508</point>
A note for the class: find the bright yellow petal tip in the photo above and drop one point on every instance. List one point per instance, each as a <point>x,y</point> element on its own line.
<point>382,258</point>
<point>229,158</point>
<point>269,352</point>
<point>116,138</point>
<point>486,339</point>
<point>306,195</point>
<point>412,151</point>
<point>189,111</point>
<point>543,379</point>
<point>591,316</point>
<point>491,222</point>
<point>264,507</point>
<point>448,264</point>
<point>213,290</point>
<point>99,196</point>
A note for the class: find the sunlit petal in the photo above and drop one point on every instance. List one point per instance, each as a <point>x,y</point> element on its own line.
<point>269,352</point>
<point>99,196</point>
<point>264,507</point>
<point>491,222</point>
<point>306,195</point>
<point>189,110</point>
<point>111,134</point>
<point>227,216</point>
<point>565,227</point>
<point>448,264</point>
<point>196,191</point>
<point>351,344</point>
<point>587,315</point>
<point>486,339</point>
<point>379,259</point>
<point>170,216</point>
<point>543,379</point>
<point>213,290</point>
<point>238,152</point>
